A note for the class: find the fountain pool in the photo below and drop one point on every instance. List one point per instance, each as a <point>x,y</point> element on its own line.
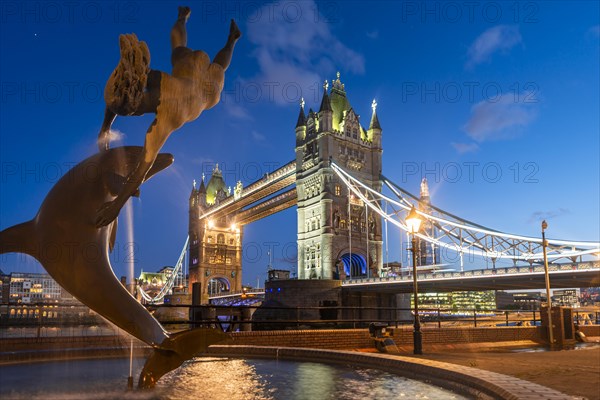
<point>209,378</point>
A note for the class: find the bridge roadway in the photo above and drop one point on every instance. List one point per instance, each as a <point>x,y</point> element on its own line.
<point>572,275</point>
<point>263,188</point>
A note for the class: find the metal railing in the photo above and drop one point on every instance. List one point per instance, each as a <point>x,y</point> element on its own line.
<point>245,318</point>
<point>270,317</point>
<point>579,266</point>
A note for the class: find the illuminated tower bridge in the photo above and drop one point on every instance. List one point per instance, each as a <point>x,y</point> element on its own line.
<point>337,236</point>
<point>336,182</point>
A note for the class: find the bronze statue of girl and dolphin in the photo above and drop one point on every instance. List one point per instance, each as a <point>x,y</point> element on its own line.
<point>75,227</point>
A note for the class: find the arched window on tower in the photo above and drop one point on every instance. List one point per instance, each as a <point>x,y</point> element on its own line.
<point>318,255</point>
<point>307,258</point>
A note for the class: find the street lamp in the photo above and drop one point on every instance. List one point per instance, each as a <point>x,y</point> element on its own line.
<point>414,223</point>
<point>548,298</point>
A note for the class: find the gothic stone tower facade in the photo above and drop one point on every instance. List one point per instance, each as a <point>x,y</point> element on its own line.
<point>215,257</point>
<point>429,253</point>
<point>338,236</point>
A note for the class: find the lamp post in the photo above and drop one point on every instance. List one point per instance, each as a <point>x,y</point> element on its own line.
<point>414,223</point>
<point>548,298</point>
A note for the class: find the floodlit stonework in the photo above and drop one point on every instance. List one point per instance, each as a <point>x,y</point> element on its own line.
<point>215,257</point>
<point>337,235</point>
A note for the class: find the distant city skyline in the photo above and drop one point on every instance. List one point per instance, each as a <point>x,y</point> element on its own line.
<point>495,103</point>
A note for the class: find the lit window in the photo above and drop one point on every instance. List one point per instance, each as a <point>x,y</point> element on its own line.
<point>338,190</point>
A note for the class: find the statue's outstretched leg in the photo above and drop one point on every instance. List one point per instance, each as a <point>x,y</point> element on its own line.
<point>223,57</point>
<point>178,32</point>
<point>156,137</point>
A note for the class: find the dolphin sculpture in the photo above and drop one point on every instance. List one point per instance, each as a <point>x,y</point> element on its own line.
<point>64,238</point>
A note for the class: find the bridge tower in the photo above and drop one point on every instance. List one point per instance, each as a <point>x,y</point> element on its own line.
<point>338,236</point>
<point>429,253</point>
<point>215,257</point>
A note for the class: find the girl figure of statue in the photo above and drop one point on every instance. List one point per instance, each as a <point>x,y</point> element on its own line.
<point>194,85</point>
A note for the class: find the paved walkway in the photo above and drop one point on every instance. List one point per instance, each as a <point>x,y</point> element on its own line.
<point>574,372</point>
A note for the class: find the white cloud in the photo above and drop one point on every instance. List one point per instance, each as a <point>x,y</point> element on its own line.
<point>542,215</point>
<point>501,119</point>
<point>236,110</point>
<point>259,137</point>
<point>463,148</point>
<point>115,135</point>
<point>373,34</point>
<point>499,38</point>
<point>294,55</point>
<point>202,160</point>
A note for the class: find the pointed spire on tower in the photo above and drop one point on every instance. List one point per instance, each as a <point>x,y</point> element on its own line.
<point>202,188</point>
<point>374,120</point>
<point>325,103</point>
<point>301,116</point>
<point>424,189</point>
<point>338,85</point>
<point>194,191</point>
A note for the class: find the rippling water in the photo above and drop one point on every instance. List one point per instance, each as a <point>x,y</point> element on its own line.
<point>210,378</point>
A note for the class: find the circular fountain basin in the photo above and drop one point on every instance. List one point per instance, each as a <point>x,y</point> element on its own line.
<point>210,378</point>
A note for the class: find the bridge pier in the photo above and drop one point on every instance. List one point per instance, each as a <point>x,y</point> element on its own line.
<point>374,306</point>
<point>320,299</point>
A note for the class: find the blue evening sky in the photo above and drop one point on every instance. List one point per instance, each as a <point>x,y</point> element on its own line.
<point>496,103</point>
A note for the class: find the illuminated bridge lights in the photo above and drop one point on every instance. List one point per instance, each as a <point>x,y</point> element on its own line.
<point>460,235</point>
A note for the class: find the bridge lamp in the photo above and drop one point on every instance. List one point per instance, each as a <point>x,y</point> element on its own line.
<point>548,297</point>
<point>413,221</point>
